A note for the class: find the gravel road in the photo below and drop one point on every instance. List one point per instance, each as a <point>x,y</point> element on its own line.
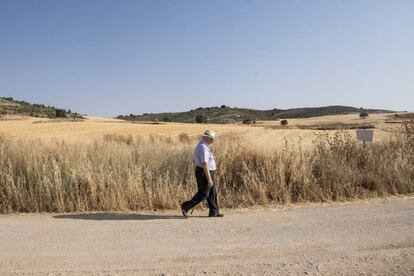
<point>373,237</point>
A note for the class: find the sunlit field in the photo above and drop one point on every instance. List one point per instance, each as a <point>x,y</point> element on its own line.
<point>105,164</point>
<point>270,133</point>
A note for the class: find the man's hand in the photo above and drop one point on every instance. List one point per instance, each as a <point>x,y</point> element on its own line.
<point>210,183</point>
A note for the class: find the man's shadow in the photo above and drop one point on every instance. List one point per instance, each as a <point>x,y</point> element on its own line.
<point>120,216</point>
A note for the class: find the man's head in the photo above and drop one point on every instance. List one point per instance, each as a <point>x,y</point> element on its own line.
<point>208,136</point>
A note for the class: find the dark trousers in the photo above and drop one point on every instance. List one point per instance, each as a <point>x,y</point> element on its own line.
<point>203,193</point>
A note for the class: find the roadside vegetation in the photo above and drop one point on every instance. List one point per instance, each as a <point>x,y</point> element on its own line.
<point>119,173</point>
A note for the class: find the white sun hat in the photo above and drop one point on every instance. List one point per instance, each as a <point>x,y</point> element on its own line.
<point>209,133</point>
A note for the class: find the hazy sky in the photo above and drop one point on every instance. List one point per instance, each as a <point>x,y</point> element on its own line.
<point>120,57</point>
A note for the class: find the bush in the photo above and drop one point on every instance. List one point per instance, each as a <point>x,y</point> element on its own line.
<point>201,119</point>
<point>284,122</point>
<point>60,113</point>
<point>363,115</point>
<point>249,121</point>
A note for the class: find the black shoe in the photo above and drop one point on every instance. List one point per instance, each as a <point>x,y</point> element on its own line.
<point>216,216</point>
<point>184,212</point>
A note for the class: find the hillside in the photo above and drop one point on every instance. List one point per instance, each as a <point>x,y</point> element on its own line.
<point>225,114</point>
<point>9,106</point>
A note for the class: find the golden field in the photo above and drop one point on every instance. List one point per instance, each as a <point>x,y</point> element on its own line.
<point>104,164</point>
<point>261,133</point>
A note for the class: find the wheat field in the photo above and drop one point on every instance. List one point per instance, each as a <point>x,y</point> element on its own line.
<point>96,127</point>
<point>105,164</point>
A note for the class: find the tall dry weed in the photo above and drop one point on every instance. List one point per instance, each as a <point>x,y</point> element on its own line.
<point>157,172</point>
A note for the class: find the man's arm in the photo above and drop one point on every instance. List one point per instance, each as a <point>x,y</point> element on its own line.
<point>207,172</point>
<point>205,157</point>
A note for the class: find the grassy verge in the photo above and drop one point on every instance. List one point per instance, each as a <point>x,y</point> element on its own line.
<point>134,173</point>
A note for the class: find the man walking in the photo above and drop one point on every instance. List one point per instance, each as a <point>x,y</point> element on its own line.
<point>205,170</point>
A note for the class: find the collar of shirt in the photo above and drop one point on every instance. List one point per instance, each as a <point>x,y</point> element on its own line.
<point>205,143</point>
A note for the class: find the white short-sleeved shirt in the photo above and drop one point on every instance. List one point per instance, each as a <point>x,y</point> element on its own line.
<point>203,154</point>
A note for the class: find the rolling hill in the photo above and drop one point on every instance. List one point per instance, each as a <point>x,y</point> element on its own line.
<point>216,114</point>
<point>10,106</point>
<point>225,114</point>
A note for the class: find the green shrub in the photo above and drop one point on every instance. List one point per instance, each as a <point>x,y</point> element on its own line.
<point>201,119</point>
<point>60,113</point>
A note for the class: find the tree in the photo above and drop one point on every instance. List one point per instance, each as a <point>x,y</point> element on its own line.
<point>201,119</point>
<point>60,113</point>
<point>167,119</point>
<point>363,115</point>
<point>223,106</point>
<point>284,122</point>
<point>249,120</point>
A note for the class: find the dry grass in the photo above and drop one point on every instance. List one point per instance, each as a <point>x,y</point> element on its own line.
<point>95,127</point>
<point>133,172</point>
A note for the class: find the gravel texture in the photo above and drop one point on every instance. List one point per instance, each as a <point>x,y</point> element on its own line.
<point>373,237</point>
